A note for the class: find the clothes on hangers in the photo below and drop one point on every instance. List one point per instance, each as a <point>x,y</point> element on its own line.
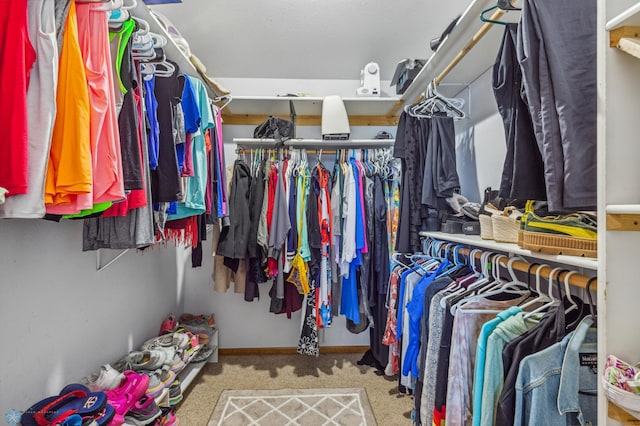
<point>463,370</point>
<point>558,62</point>
<point>40,110</point>
<point>523,170</point>
<point>308,230</point>
<point>426,146</point>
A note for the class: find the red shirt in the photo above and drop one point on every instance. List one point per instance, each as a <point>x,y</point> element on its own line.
<point>16,58</point>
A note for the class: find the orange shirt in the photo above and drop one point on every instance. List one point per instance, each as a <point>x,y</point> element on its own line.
<point>69,171</point>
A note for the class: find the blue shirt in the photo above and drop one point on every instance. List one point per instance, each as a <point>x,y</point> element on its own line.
<point>478,373</point>
<point>152,116</point>
<point>415,308</point>
<point>557,386</point>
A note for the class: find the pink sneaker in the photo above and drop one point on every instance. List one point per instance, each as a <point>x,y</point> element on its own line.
<point>169,324</point>
<point>125,396</point>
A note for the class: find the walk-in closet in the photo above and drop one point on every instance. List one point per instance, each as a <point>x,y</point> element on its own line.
<point>305,213</point>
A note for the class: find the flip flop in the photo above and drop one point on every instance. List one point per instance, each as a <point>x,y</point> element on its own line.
<point>69,402</point>
<point>27,418</point>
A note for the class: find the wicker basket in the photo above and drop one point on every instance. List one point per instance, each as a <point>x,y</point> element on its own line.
<point>506,225</point>
<point>559,244</point>
<point>486,227</point>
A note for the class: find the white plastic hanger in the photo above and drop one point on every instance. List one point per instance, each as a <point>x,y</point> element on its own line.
<point>553,301</point>
<point>567,290</point>
<point>542,297</point>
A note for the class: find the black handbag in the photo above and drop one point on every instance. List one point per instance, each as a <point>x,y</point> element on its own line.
<point>277,128</point>
<point>274,128</point>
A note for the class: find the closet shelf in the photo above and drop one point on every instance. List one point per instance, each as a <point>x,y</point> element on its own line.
<point>362,111</point>
<point>476,241</point>
<point>478,51</point>
<point>314,143</point>
<point>627,39</point>
<point>171,50</point>
<point>189,374</point>
<point>331,144</point>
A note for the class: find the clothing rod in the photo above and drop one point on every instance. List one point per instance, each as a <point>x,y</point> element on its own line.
<point>309,151</point>
<point>575,280</point>
<point>467,48</point>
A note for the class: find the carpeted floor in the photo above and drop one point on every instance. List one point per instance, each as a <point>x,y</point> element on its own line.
<point>296,372</point>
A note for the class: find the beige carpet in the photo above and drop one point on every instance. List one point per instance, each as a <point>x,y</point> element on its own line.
<point>293,407</point>
<point>328,371</point>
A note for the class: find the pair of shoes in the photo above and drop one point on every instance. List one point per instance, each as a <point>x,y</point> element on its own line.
<point>168,418</point>
<point>177,340</point>
<point>175,393</point>
<point>106,379</point>
<point>145,411</point>
<point>159,380</point>
<point>73,399</point>
<point>169,324</point>
<point>574,234</point>
<point>124,397</point>
<point>201,319</point>
<point>154,359</point>
<point>203,354</point>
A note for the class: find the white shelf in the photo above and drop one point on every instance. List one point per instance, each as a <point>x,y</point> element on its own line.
<point>189,374</point>
<point>307,105</point>
<point>316,143</point>
<point>477,61</point>
<point>171,50</point>
<point>476,241</point>
<point>332,144</point>
<point>630,17</point>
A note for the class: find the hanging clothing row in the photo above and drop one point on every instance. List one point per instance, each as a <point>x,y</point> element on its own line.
<point>425,143</point>
<point>110,130</point>
<point>322,237</point>
<point>539,79</point>
<point>476,347</point>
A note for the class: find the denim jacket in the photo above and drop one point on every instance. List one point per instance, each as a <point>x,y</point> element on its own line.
<point>557,386</point>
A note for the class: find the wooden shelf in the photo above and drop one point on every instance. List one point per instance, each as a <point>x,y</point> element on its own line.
<point>476,241</point>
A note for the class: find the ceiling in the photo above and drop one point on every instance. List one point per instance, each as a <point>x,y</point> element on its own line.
<point>309,39</point>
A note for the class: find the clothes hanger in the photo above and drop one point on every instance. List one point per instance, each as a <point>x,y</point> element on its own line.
<point>502,5</point>
<point>567,291</point>
<point>541,296</point>
<point>553,301</point>
<point>461,291</point>
<point>592,307</point>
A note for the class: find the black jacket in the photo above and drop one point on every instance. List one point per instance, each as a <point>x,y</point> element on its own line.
<point>234,238</point>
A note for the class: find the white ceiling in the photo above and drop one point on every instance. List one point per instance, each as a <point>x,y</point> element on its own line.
<point>309,39</point>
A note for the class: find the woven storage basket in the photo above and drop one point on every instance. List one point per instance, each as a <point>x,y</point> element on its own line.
<point>559,244</point>
<point>506,226</point>
<point>486,227</point>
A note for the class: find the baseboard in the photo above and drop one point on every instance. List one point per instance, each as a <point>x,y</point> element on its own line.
<point>289,351</point>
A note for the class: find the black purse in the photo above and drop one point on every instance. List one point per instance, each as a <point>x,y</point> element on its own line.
<point>277,128</point>
<point>274,128</point>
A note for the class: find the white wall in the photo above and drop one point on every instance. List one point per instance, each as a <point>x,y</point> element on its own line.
<point>480,140</point>
<point>61,319</point>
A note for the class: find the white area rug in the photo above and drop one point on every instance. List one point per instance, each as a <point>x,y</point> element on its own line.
<point>307,407</point>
